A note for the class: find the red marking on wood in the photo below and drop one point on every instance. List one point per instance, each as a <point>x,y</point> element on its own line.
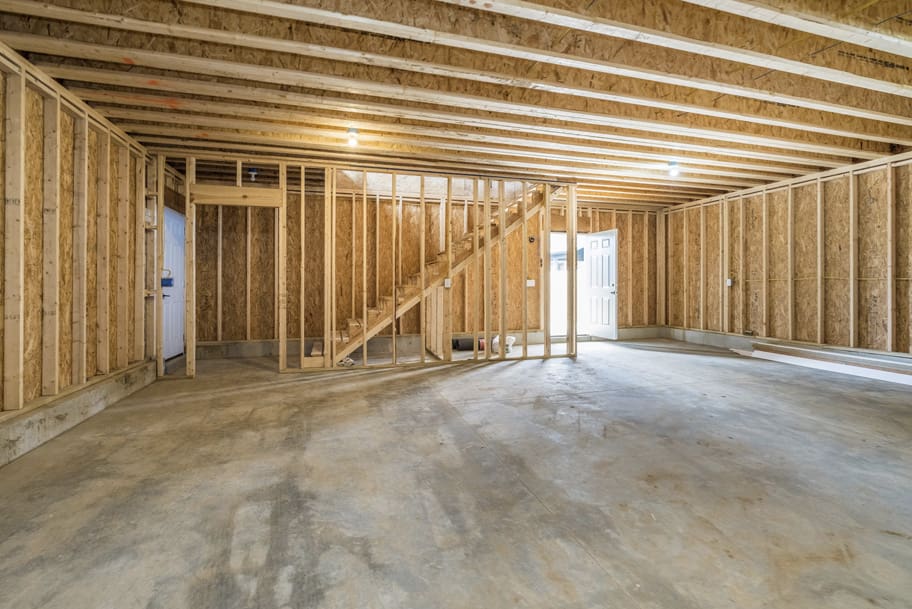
<point>128,61</point>
<point>203,134</point>
<point>173,103</point>
<point>153,82</point>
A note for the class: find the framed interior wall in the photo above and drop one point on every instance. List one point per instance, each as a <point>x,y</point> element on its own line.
<point>328,267</point>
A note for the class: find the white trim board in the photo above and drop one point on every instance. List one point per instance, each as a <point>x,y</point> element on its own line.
<point>879,375</point>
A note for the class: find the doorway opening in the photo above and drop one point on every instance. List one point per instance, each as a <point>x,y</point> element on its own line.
<point>173,291</point>
<point>596,274</point>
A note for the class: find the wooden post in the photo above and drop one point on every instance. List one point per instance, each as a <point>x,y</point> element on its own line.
<point>742,280</point>
<point>853,259</point>
<point>122,261</point>
<point>525,273</point>
<point>487,267</point>
<point>139,256</point>
<point>571,268</point>
<point>765,286</point>
<point>218,276</point>
<point>479,292</point>
<point>248,333</point>
<point>364,269</point>
<point>103,283</point>
<point>629,278</point>
<point>421,257</point>
<point>282,238</point>
<point>302,309</point>
<point>685,277</point>
<point>354,241</point>
<point>190,271</point>
<point>328,283</point>
<point>13,245</point>
<point>891,259</point>
<point>821,328</point>
<point>791,263</point>
<point>546,269</point>
<point>80,241</point>
<point>334,296</point>
<point>661,264</point>
<point>502,288</point>
<point>645,269</point>
<point>50,331</point>
<point>393,268</point>
<point>448,293</point>
<point>702,267</point>
<point>159,265</point>
<point>726,268</point>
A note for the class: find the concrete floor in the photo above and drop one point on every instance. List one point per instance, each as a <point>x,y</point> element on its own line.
<point>643,475</point>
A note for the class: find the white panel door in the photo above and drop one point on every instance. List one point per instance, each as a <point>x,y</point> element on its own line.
<point>173,314</point>
<point>602,263</point>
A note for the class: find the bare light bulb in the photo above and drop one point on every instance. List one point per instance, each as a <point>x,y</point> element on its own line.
<point>352,137</point>
<point>673,169</point>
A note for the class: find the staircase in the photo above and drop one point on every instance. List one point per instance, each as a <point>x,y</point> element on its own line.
<point>409,291</point>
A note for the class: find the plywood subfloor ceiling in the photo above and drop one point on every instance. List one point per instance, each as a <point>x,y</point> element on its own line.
<point>737,92</point>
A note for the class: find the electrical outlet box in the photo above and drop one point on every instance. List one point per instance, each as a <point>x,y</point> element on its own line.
<point>530,283</point>
<point>448,283</point>
<point>729,282</point>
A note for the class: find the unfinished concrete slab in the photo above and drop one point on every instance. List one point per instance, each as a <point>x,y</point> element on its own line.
<point>643,475</point>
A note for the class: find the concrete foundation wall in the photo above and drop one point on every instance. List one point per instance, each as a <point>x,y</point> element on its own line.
<point>23,431</point>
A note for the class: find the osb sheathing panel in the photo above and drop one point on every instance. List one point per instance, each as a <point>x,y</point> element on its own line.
<point>558,221</point>
<point>206,273</point>
<point>372,249</point>
<point>262,281</point>
<point>584,222</point>
<point>836,261</point>
<point>293,265</point>
<point>804,230</point>
<point>692,267</point>
<point>384,260</point>
<point>902,181</point>
<point>410,263</point>
<point>638,269</point>
<point>734,262</point>
<point>515,280</point>
<point>606,220</point>
<point>92,256</point>
<point>712,284</point>
<point>33,244</point>
<point>872,260</point>
<point>623,269</point>
<point>457,303</point>
<point>651,271</point>
<point>130,261</point>
<point>114,253</point>
<point>753,264</point>
<point>2,212</point>
<point>234,273</point>
<point>534,264</point>
<point>675,296</point>
<point>343,260</point>
<point>65,265</point>
<point>313,265</point>
<point>777,271</point>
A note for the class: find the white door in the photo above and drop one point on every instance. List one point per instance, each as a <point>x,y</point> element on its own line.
<point>601,261</point>
<point>173,313</point>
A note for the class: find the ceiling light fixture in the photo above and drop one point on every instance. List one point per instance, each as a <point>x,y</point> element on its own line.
<point>673,169</point>
<point>352,137</point>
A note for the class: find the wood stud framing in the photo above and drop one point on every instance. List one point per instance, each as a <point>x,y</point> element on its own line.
<point>53,237</point>
<point>867,196</point>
